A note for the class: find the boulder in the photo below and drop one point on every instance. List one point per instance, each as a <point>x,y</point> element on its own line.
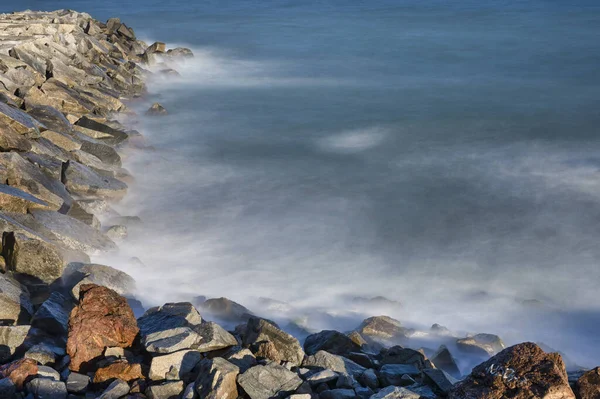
<point>48,164</point>
<point>117,389</point>
<point>19,371</point>
<point>339,364</point>
<point>588,385</point>
<point>322,377</point>
<point>54,93</point>
<point>77,274</point>
<point>400,355</point>
<point>174,366</point>
<point>15,305</point>
<point>121,370</point>
<point>338,394</point>
<point>484,345</point>
<point>226,309</point>
<point>383,329</point>
<point>13,199</point>
<point>105,153</point>
<point>11,339</point>
<point>167,390</point>
<point>440,381</point>
<point>47,388</point>
<point>53,315</point>
<point>8,390</point>
<point>117,135</point>
<point>330,341</point>
<point>117,232</point>
<point>396,393</point>
<point>269,382</point>
<point>369,379</point>
<point>217,379</point>
<point>391,374</point>
<point>10,140</point>
<point>77,383</point>
<point>157,47</point>
<point>102,318</point>
<point>78,212</point>
<point>65,141</point>
<point>240,357</point>
<point>42,354</point>
<point>156,110</point>
<point>444,360</point>
<point>519,372</point>
<point>52,118</point>
<point>286,346</point>
<point>180,52</point>
<point>19,121</point>
<point>85,182</point>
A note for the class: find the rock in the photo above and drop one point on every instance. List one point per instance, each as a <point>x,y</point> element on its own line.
<point>105,153</point>
<point>85,182</point>
<point>15,200</point>
<point>226,309</point>
<point>396,393</point>
<point>369,379</point>
<point>19,121</point>
<point>322,377</point>
<point>10,140</point>
<point>56,94</point>
<point>444,360</point>
<point>339,364</point>
<point>50,165</point>
<point>52,118</point>
<point>338,394</point>
<point>80,213</point>
<point>189,392</point>
<point>287,347</point>
<point>48,372</point>
<point>400,355</point>
<point>588,385</point>
<point>8,390</point>
<point>484,345</point>
<point>157,47</point>
<point>103,126</point>
<point>62,140</point>
<point>46,388</point>
<point>78,274</point>
<point>117,389</point>
<point>41,354</point>
<point>439,380</point>
<point>15,305</point>
<point>167,390</point>
<point>121,370</point>
<point>77,383</point>
<point>116,232</point>
<point>217,379</point>
<point>53,315</point>
<point>156,110</point>
<point>519,372</point>
<point>330,341</point>
<point>383,328</point>
<point>180,52</point>
<point>269,381</point>
<point>177,365</point>
<point>391,374</point>
<point>19,371</point>
<point>102,318</point>
<point>240,357</point>
<point>11,338</point>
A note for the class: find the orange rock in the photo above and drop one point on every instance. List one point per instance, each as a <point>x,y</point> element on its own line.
<point>121,370</point>
<point>18,371</point>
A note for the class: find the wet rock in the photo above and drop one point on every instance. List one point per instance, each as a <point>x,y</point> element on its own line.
<point>174,366</point>
<point>15,305</point>
<point>53,315</point>
<point>19,371</point>
<point>46,388</point>
<point>77,383</point>
<point>383,329</point>
<point>339,364</point>
<point>269,381</point>
<point>167,390</point>
<point>156,110</point>
<point>121,370</point>
<point>78,274</point>
<point>217,379</point>
<point>588,385</point>
<point>330,341</point>
<point>117,389</point>
<point>102,318</point>
<point>180,52</point>
<point>11,338</point>
<point>519,372</point>
<point>484,345</point>
<point>396,393</point>
<point>444,360</point>
<point>286,346</point>
<point>19,121</point>
<point>226,309</point>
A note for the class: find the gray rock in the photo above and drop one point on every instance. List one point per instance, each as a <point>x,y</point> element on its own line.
<point>19,120</point>
<point>13,199</point>
<point>63,140</point>
<point>336,363</point>
<point>400,355</point>
<point>77,383</point>
<point>226,309</point>
<point>391,374</point>
<point>330,341</point>
<point>346,381</point>
<point>117,232</point>
<point>214,337</point>
<point>48,164</point>
<point>47,388</point>
<point>320,377</point>
<point>156,110</point>
<point>105,153</point>
<point>52,118</point>
<point>484,345</point>
<point>439,380</point>
<point>338,394</point>
<point>77,274</point>
<point>269,381</point>
<point>53,315</point>
<point>48,372</point>
<point>11,338</point>
<point>444,360</point>
<point>11,140</point>
<point>103,126</point>
<point>15,305</point>
<point>8,390</point>
<point>190,391</point>
<point>167,390</point>
<point>180,52</point>
<point>396,393</point>
<point>369,379</point>
<point>242,358</point>
<point>286,346</point>
<point>117,389</point>
<point>217,379</point>
<point>80,213</point>
<point>175,365</point>
<point>383,329</point>
<point>85,182</point>
<point>41,354</point>
<point>425,391</point>
<point>363,392</point>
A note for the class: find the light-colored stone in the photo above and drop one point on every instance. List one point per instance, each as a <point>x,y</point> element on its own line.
<point>269,381</point>
<point>217,379</point>
<point>175,365</point>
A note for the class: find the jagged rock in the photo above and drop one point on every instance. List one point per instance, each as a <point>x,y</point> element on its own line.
<point>50,165</point>
<point>117,389</point>
<point>396,393</point>
<point>48,372</point>
<point>217,379</point>
<point>484,345</point>
<point>56,94</point>
<point>336,363</point>
<point>287,347</point>
<point>444,360</point>
<point>105,153</point>
<point>15,305</point>
<point>226,309</point>
<point>330,341</point>
<point>439,380</point>
<point>62,140</point>
<point>156,110</point>
<point>41,354</point>
<point>519,372</point>
<point>175,365</point>
<point>240,357</point>
<point>10,140</point>
<point>19,371</point>
<point>83,181</point>
<point>383,328</point>
<point>400,355</point>
<point>117,136</point>
<point>588,385</point>
<point>47,388</point>
<point>13,199</point>
<point>167,390</point>
<point>157,47</point>
<point>78,274</point>
<point>19,121</point>
<point>369,379</point>
<point>269,381</point>
<point>11,338</point>
<point>77,383</point>
<point>391,374</point>
<point>180,52</point>
<point>52,118</point>
<point>322,377</point>
<point>78,212</point>
<point>121,370</point>
<point>102,318</point>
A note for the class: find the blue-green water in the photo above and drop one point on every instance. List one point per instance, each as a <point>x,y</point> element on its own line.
<point>427,151</point>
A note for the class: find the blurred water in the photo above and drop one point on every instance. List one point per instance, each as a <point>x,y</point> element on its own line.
<point>442,154</point>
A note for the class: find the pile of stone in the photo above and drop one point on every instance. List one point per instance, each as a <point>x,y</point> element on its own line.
<point>67,328</point>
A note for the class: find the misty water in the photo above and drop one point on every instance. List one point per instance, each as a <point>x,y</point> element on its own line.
<point>445,155</point>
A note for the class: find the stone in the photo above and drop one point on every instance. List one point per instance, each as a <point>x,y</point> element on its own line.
<point>400,355</point>
<point>167,390</point>
<point>338,394</point>
<point>103,126</point>
<point>105,153</point>
<point>226,309</point>
<point>484,345</point>
<point>52,118</point>
<point>48,372</point>
<point>47,388</point>
<point>588,385</point>
<point>77,383</point>
<point>53,315</point>
<point>177,365</point>
<point>121,370</point>
<point>48,164</point>
<point>10,140</point>
<point>56,94</point>
<point>156,110</point>
<point>320,377</point>
<point>85,182</point>
<point>13,199</point>
<point>269,381</point>
<point>15,305</point>
<point>78,212</point>
<point>180,52</point>
<point>117,389</point>
<point>444,360</point>
<point>330,341</point>
<point>339,364</point>
<point>383,329</point>
<point>439,380</point>
<point>19,121</point>
<point>241,357</point>
<point>19,371</point>
<point>62,140</point>
<point>287,347</point>
<point>217,379</point>
<point>369,379</point>
<point>117,232</point>
<point>519,372</point>
<point>396,393</point>
<point>41,354</point>
<point>102,318</point>
<point>8,390</point>
<point>157,47</point>
<point>391,374</point>
<point>77,274</point>
<point>11,338</point>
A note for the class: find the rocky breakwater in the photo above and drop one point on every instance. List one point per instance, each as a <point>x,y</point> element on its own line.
<point>66,326</point>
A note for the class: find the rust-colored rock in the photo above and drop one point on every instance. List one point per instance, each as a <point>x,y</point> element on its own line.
<point>102,319</point>
<point>18,371</point>
<point>523,371</point>
<point>122,370</point>
<point>588,385</point>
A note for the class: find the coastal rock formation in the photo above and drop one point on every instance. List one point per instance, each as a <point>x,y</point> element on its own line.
<point>284,346</point>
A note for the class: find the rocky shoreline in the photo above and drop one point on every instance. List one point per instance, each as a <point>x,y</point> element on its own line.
<point>67,328</point>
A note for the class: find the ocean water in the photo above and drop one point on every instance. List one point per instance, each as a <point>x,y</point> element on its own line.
<point>445,155</point>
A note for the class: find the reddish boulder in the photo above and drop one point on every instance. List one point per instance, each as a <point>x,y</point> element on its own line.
<point>102,319</point>
<point>18,371</point>
<point>523,371</point>
<point>588,385</point>
<point>122,370</point>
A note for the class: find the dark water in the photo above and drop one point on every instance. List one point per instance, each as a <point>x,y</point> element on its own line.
<point>442,154</point>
